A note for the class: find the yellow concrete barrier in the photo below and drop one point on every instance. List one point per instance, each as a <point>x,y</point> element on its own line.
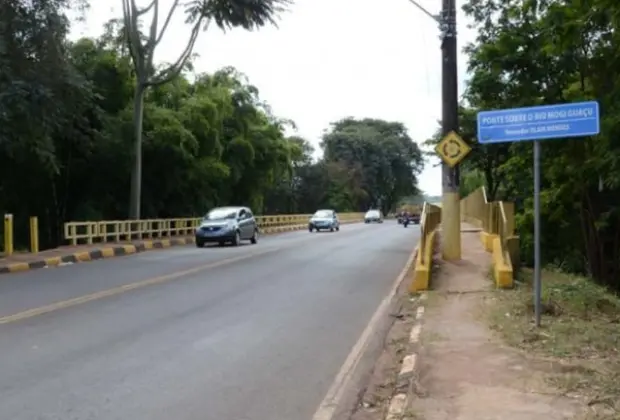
<point>502,268</point>
<point>497,220</point>
<point>429,222</point>
<point>423,266</point>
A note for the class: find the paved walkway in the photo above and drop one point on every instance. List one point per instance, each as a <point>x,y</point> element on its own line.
<point>465,373</point>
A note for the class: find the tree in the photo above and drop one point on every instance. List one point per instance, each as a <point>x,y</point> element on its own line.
<point>531,53</point>
<point>67,137</point>
<point>200,15</point>
<point>389,160</point>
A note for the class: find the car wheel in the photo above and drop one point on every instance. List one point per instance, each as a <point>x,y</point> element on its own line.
<point>237,239</point>
<point>254,238</point>
<point>338,229</point>
<point>200,244</point>
<point>221,243</point>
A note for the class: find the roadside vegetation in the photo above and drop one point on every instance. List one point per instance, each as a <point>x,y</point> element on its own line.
<point>578,345</point>
<point>68,132</point>
<point>546,52</point>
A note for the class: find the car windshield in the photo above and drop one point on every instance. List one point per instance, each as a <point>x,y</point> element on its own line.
<point>221,214</point>
<point>372,213</point>
<point>323,213</point>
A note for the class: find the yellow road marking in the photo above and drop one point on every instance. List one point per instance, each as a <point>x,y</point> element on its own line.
<point>31,313</point>
<point>107,252</point>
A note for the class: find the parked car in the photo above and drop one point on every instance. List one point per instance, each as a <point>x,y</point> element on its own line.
<point>373,216</point>
<point>227,224</point>
<point>324,220</point>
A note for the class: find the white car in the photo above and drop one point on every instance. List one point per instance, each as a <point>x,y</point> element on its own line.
<point>373,216</point>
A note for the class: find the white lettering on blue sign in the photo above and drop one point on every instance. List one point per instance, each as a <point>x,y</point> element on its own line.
<point>539,122</point>
<point>536,116</point>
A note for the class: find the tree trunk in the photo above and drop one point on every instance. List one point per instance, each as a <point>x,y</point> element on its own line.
<point>136,173</point>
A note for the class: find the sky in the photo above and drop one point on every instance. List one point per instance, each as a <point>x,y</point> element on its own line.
<point>326,60</point>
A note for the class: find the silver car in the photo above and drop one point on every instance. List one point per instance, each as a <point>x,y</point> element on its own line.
<point>324,220</point>
<point>227,224</point>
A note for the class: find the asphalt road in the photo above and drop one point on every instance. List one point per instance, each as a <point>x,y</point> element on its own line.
<point>259,338</point>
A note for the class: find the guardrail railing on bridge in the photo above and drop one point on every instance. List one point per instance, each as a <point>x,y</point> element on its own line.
<point>106,231</point>
<point>496,218</point>
<point>429,222</point>
<point>91,232</point>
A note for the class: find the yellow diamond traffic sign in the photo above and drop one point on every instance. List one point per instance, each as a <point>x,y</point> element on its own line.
<point>452,149</point>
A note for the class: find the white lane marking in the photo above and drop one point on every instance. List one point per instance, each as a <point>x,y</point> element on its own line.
<point>420,313</point>
<point>414,337</point>
<point>408,364</point>
<point>330,403</point>
<point>397,407</point>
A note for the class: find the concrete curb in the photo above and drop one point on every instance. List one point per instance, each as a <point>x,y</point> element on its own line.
<point>110,251</point>
<point>409,366</point>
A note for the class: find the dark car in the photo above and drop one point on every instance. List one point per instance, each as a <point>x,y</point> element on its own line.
<point>324,220</point>
<point>227,224</point>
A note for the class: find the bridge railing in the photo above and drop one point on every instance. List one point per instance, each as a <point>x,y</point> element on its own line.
<point>497,221</point>
<point>429,222</point>
<point>90,232</point>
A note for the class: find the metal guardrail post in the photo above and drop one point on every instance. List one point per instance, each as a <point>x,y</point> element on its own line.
<point>8,234</point>
<point>34,234</point>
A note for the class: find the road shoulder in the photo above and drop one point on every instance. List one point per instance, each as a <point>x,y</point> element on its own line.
<point>465,370</point>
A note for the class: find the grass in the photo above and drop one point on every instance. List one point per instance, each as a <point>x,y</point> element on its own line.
<point>580,335</point>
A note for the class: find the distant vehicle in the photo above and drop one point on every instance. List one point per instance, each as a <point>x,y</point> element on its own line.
<point>373,216</point>
<point>410,211</point>
<point>227,224</point>
<point>410,218</point>
<point>324,220</point>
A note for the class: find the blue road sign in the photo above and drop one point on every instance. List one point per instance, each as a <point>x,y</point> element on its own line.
<point>539,122</point>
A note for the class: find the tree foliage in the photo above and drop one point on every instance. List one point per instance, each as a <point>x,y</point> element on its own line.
<point>142,45</point>
<point>545,52</point>
<point>66,138</point>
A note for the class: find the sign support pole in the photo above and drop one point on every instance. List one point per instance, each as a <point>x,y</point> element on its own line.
<point>535,123</point>
<point>450,207</point>
<point>537,269</point>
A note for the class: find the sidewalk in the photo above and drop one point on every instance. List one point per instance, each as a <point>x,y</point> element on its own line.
<point>464,371</point>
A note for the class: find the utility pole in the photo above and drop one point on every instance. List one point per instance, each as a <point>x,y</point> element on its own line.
<point>450,179</point>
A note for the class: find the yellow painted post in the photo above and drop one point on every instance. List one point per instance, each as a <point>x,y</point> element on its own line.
<point>451,226</point>
<point>34,234</point>
<point>8,234</point>
<point>452,150</point>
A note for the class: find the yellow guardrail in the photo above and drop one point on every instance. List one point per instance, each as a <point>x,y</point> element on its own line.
<point>429,222</point>
<point>497,221</point>
<point>8,233</point>
<point>91,232</point>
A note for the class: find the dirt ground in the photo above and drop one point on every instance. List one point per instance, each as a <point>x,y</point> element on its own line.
<point>465,372</point>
